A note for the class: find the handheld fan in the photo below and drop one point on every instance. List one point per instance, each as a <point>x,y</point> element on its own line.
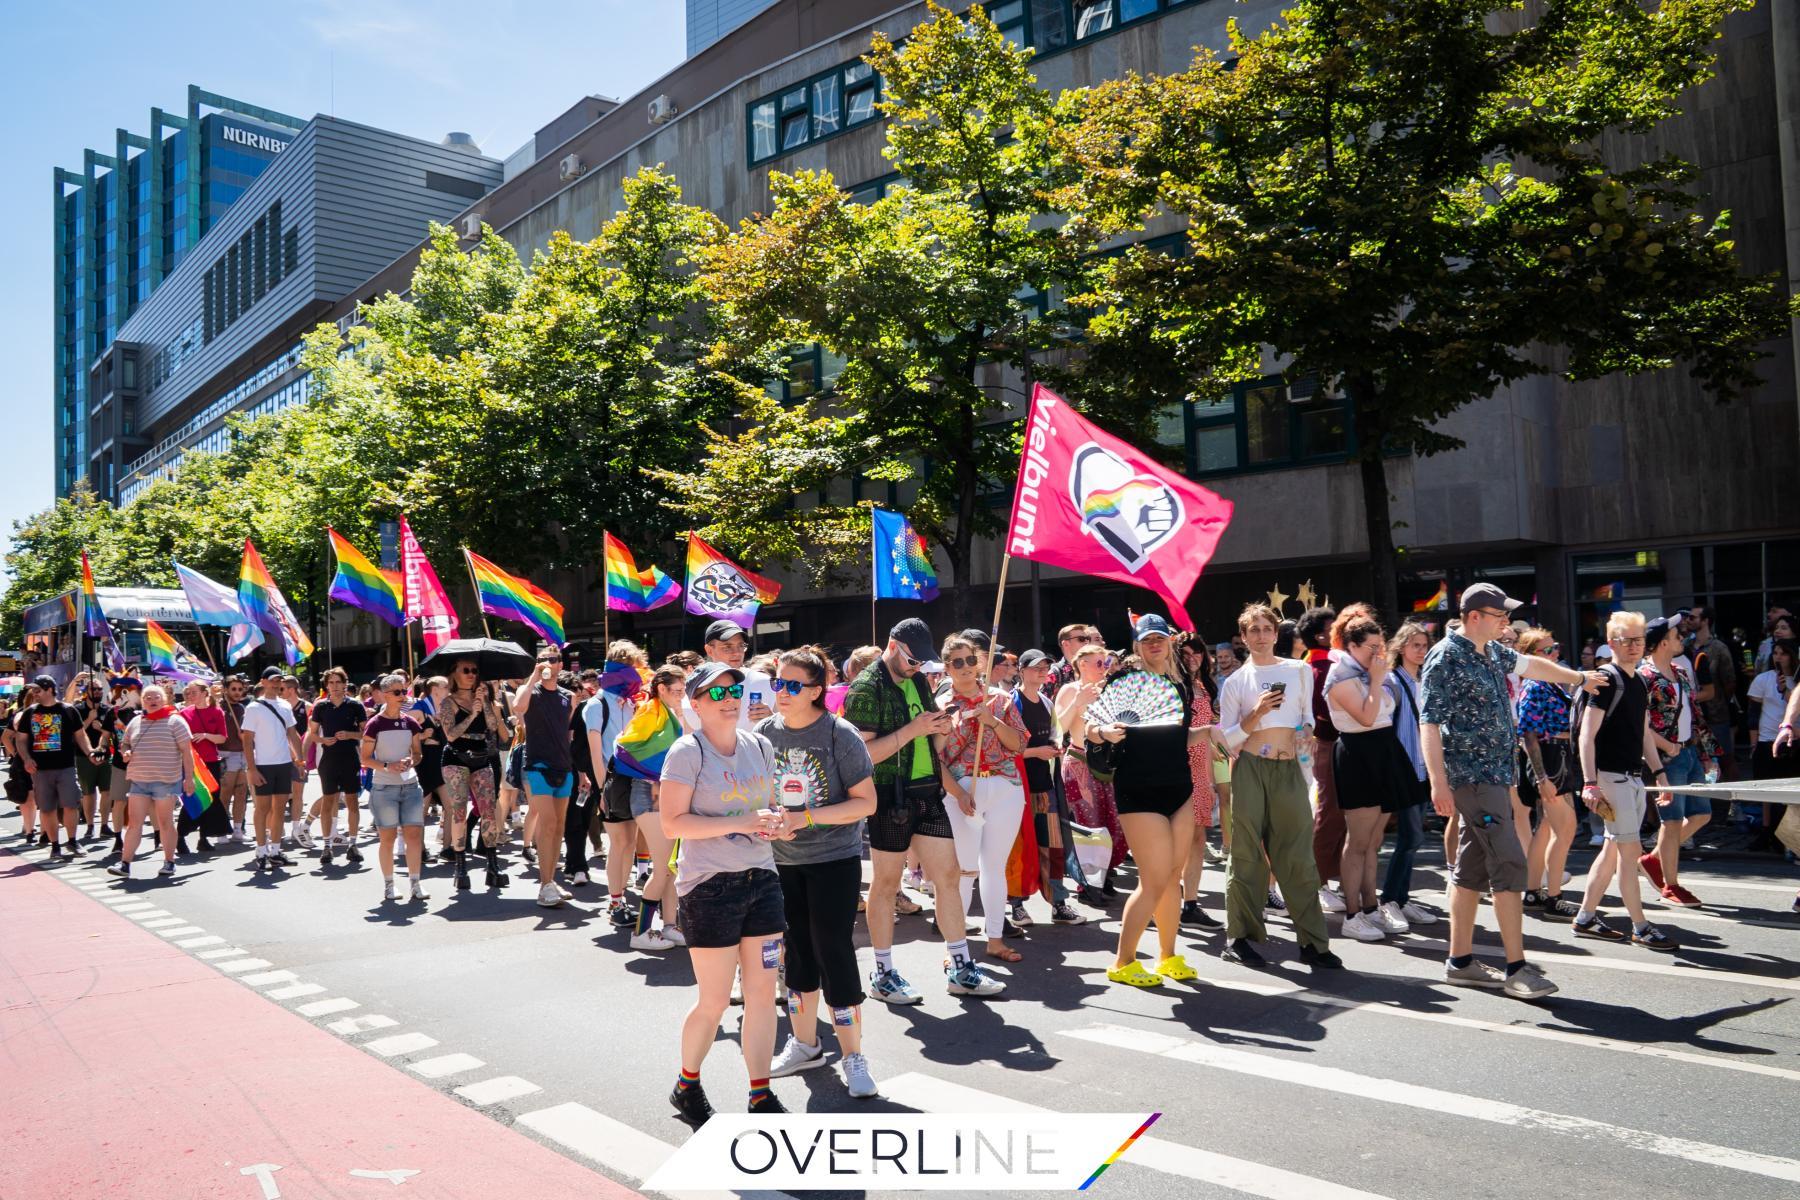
<point>1138,698</point>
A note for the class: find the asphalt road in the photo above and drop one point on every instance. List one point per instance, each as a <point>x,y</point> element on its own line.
<point>1647,1075</point>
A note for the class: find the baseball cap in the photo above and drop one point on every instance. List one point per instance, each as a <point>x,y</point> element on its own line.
<point>724,631</point>
<point>1658,629</point>
<point>978,636</point>
<point>1486,595</point>
<point>1033,658</point>
<point>1151,625</point>
<point>45,681</point>
<point>272,673</point>
<point>915,636</point>
<point>709,673</point>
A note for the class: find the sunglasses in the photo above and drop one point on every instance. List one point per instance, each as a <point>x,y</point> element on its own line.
<point>465,670</point>
<point>792,687</point>
<point>910,660</point>
<point>400,691</point>
<point>957,664</point>
<point>542,661</point>
<point>734,691</point>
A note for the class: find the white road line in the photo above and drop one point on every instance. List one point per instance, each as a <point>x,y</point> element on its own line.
<point>159,922</point>
<point>1436,1100</point>
<point>324,1008</point>
<point>448,1064</point>
<point>401,1043</point>
<point>1566,1037</point>
<point>195,943</point>
<point>617,1146</point>
<point>265,978</point>
<point>350,1025</point>
<point>927,1093</point>
<point>220,952</point>
<point>497,1089</point>
<point>184,931</point>
<point>238,966</point>
<point>148,914</point>
<point>1576,958</point>
<point>294,991</point>
<point>129,904</point>
<point>1727,884</point>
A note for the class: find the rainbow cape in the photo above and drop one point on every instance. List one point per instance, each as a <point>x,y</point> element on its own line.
<point>718,587</point>
<point>515,598</point>
<point>265,607</point>
<point>640,749</point>
<point>361,584</point>
<point>622,680</point>
<point>169,657</point>
<point>631,590</point>
<point>206,788</point>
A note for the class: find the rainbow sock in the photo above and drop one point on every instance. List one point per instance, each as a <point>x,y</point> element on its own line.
<point>688,1079</point>
<point>759,1089</point>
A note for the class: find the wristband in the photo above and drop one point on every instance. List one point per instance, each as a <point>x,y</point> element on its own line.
<point>809,820</point>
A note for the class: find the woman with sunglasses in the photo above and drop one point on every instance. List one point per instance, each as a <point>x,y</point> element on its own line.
<point>825,780</point>
<point>717,796</point>
<point>1552,775</point>
<point>986,800</point>
<point>392,744</point>
<point>1091,801</point>
<point>472,729</point>
<point>652,717</point>
<point>547,774</point>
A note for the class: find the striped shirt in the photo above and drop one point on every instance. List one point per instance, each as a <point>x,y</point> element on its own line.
<point>156,749</point>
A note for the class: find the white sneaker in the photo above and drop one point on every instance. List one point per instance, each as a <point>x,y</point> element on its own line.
<point>1363,929</point>
<point>1417,914</point>
<point>302,837</point>
<point>564,892</point>
<point>581,879</point>
<point>549,897</point>
<point>388,892</point>
<point>418,893</point>
<point>1392,919</point>
<point>857,1077</point>
<point>238,836</point>
<point>1330,901</point>
<point>650,939</point>
<point>796,1057</point>
<point>673,933</point>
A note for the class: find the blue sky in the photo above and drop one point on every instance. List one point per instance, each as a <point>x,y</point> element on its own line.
<point>72,74</point>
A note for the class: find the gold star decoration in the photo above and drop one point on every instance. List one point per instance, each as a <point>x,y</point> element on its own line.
<point>1306,596</point>
<point>1277,598</point>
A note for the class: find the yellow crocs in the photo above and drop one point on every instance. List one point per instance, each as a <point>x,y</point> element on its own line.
<point>1133,974</point>
<point>1176,967</point>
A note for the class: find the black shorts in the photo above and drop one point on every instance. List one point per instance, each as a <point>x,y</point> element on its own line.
<point>18,788</point>
<point>726,908</point>
<point>615,800</point>
<point>917,812</point>
<point>340,773</point>
<point>277,779</point>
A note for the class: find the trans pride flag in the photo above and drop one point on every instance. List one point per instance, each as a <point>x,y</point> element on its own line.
<point>718,587</point>
<point>629,589</point>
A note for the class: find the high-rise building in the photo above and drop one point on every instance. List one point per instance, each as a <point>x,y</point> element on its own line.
<point>126,219</point>
<point>710,20</point>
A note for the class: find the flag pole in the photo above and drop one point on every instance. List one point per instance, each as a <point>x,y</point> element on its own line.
<point>993,641</point>
<point>874,565</point>
<point>330,560</point>
<point>605,603</point>
<point>476,584</point>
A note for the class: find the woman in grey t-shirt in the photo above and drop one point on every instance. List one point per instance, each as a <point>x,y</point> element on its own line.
<point>824,781</point>
<point>717,796</point>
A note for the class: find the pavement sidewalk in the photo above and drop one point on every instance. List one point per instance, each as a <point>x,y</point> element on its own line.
<point>130,1069</point>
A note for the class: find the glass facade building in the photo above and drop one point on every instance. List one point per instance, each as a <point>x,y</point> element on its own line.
<point>710,20</point>
<point>122,224</point>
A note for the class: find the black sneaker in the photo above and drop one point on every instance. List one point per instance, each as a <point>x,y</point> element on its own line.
<point>75,850</point>
<point>1534,901</point>
<point>1089,894</point>
<point>1240,951</point>
<point>352,854</point>
<point>1559,909</point>
<point>327,854</point>
<point>181,847</point>
<point>690,1105</point>
<point>56,852</point>
<point>1320,959</point>
<point>203,846</point>
<point>623,917</point>
<point>279,859</point>
<point>1599,930</point>
<point>765,1106</point>
<point>1193,914</point>
<point>31,839</point>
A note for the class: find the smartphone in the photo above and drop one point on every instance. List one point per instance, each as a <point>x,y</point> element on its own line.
<point>1280,689</point>
<point>756,697</point>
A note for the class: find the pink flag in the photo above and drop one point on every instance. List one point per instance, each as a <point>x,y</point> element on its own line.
<point>424,597</point>
<point>1089,502</point>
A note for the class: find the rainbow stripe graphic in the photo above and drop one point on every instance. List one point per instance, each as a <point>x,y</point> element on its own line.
<point>92,614</point>
<point>631,590</point>
<point>515,598</point>
<point>1116,1154</point>
<point>362,584</point>
<point>903,569</point>
<point>1111,501</point>
<point>640,749</point>
<point>1435,602</point>
<point>206,788</point>
<point>718,587</point>
<point>265,607</point>
<point>169,657</point>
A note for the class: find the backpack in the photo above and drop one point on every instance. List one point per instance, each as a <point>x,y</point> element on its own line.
<point>1583,700</point>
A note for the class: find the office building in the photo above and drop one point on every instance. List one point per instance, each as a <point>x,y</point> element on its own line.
<point>710,20</point>
<point>127,219</point>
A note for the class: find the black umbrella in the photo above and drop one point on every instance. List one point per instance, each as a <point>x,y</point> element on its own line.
<point>493,658</point>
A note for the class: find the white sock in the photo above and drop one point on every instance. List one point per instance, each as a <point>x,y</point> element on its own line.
<point>884,959</point>
<point>959,952</point>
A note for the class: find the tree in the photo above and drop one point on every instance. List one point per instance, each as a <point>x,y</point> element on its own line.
<point>44,560</point>
<point>1419,202</point>
<point>926,295</point>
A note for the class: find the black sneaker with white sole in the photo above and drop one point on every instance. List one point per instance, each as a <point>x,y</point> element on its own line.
<point>691,1105</point>
<point>1652,938</point>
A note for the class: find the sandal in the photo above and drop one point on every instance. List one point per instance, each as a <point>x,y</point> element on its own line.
<point>1004,953</point>
<point>1176,967</point>
<point>1133,973</point>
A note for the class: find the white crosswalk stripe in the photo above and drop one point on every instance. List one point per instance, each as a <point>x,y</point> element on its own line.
<point>400,1043</point>
<point>1435,1100</point>
<point>498,1089</point>
<point>616,1146</point>
<point>294,991</point>
<point>322,1008</point>
<point>352,1025</point>
<point>447,1064</point>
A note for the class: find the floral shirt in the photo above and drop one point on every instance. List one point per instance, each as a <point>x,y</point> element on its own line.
<point>1465,696</point>
<point>1666,698</point>
<point>1543,709</point>
<point>959,743</point>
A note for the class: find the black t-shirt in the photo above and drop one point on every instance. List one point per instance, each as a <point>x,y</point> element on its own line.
<point>547,721</point>
<point>15,762</point>
<point>1619,745</point>
<point>1037,718</point>
<point>50,735</point>
<point>99,720</point>
<point>578,741</point>
<point>347,717</point>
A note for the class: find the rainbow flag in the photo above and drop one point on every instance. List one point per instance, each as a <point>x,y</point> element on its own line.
<point>1438,601</point>
<point>515,598</point>
<point>265,607</point>
<point>91,612</point>
<point>718,587</point>
<point>206,788</point>
<point>631,590</point>
<point>638,754</point>
<point>622,680</point>
<point>361,584</point>
<point>169,657</point>
<point>902,561</point>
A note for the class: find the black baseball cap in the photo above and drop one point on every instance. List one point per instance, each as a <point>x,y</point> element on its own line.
<point>45,681</point>
<point>915,636</point>
<point>724,631</point>
<point>1658,629</point>
<point>708,673</point>
<point>1486,595</point>
<point>272,673</point>
<point>1033,658</point>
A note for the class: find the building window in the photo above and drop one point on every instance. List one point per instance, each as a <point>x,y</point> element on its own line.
<point>1267,423</point>
<point>1093,17</point>
<point>805,375</point>
<point>762,131</point>
<point>860,86</point>
<point>818,108</point>
<point>290,252</point>
<point>826,114</point>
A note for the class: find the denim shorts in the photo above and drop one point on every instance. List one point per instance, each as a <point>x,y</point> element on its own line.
<point>231,760</point>
<point>1684,767</point>
<point>152,788</point>
<point>721,910</point>
<point>396,804</point>
<point>643,800</point>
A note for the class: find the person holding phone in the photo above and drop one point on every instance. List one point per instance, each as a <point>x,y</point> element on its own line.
<point>718,797</point>
<point>547,774</point>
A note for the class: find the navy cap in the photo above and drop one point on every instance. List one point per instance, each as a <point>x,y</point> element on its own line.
<point>915,635</point>
<point>724,631</point>
<point>1151,625</point>
<point>708,673</point>
<point>271,673</point>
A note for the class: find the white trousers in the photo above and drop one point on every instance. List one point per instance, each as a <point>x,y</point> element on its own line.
<point>985,841</point>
